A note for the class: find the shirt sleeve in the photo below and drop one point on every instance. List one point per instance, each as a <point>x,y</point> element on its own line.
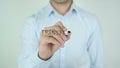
<point>29,53</point>
<point>95,48</point>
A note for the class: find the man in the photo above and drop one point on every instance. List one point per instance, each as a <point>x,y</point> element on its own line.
<point>47,45</point>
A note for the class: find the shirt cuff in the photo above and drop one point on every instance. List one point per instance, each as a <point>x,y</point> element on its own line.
<point>41,63</point>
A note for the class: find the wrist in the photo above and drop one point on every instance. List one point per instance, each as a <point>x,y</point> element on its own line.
<point>45,59</point>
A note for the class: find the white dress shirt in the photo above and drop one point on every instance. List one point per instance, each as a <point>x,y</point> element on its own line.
<point>83,50</point>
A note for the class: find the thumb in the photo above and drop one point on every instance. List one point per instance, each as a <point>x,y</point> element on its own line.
<point>61,26</point>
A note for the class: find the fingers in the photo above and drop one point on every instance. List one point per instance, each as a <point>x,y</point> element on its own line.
<point>54,31</point>
<point>60,33</point>
<point>59,24</point>
<point>57,32</point>
<point>52,40</point>
<point>65,37</point>
<point>59,39</point>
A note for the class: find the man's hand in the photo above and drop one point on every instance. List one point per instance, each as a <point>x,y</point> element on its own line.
<point>52,39</point>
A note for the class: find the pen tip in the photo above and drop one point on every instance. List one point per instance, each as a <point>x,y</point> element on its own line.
<point>69,31</point>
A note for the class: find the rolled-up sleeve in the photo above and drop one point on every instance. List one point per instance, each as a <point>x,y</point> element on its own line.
<point>29,53</point>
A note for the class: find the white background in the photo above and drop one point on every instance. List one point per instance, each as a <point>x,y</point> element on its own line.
<point>14,12</point>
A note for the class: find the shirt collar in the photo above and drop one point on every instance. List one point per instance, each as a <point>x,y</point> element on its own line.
<point>51,10</point>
